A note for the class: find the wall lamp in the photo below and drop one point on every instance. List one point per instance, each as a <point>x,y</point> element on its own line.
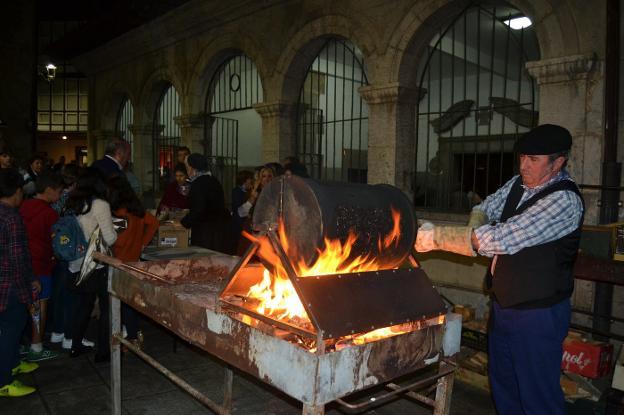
<point>50,72</point>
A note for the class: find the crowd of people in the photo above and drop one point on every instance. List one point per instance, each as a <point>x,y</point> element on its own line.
<point>46,304</point>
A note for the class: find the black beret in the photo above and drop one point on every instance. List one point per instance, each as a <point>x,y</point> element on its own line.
<point>197,161</point>
<point>545,139</point>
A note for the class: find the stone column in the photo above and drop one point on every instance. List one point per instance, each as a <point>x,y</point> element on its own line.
<point>97,140</point>
<point>391,134</point>
<point>192,131</point>
<point>571,91</point>
<point>144,154</point>
<point>278,130</point>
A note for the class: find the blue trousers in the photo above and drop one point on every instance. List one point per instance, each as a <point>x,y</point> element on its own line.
<point>525,350</point>
<point>12,322</point>
<point>64,300</point>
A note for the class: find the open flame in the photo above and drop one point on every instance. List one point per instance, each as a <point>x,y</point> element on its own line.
<point>275,295</point>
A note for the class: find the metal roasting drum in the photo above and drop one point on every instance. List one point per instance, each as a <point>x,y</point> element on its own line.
<point>311,211</point>
<point>340,304</point>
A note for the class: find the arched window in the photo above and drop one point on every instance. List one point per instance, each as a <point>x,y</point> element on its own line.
<point>332,118</point>
<point>166,136</point>
<point>233,128</point>
<point>476,99</point>
<point>125,117</point>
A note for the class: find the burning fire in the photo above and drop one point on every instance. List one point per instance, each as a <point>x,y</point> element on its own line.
<point>275,294</point>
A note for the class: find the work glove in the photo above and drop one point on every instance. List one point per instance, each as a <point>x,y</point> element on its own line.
<point>477,218</point>
<point>446,238</point>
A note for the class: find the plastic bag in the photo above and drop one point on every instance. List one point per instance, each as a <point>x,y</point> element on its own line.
<point>89,264</point>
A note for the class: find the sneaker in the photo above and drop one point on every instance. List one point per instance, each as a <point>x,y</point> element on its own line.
<point>56,337</point>
<point>45,354</point>
<point>24,367</point>
<point>87,343</point>
<point>16,389</point>
<point>67,344</point>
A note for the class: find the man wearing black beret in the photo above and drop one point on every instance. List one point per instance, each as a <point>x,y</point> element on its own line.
<point>531,229</point>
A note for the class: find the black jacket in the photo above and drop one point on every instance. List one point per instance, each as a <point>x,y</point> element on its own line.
<point>208,218</point>
<point>107,167</point>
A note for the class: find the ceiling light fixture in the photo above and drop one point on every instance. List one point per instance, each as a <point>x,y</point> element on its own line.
<point>518,23</point>
<point>50,72</point>
<point>64,137</point>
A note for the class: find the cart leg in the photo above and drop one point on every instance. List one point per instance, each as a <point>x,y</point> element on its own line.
<point>313,409</point>
<point>443,393</point>
<point>115,311</point>
<point>227,390</point>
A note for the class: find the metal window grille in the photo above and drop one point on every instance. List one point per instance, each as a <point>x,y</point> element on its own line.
<point>62,104</point>
<point>478,99</point>
<point>332,118</point>
<point>233,90</point>
<point>166,136</point>
<point>125,117</point>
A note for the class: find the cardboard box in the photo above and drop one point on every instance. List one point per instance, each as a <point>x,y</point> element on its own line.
<point>587,358</point>
<point>173,235</point>
<point>618,373</point>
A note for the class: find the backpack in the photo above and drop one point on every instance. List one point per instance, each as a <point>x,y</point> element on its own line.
<point>68,241</point>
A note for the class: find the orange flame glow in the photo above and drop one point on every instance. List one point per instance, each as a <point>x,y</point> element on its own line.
<point>275,294</point>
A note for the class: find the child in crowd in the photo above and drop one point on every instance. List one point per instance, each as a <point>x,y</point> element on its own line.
<point>176,193</point>
<point>16,283</point>
<point>64,301</point>
<point>38,218</point>
<point>140,229</point>
<point>89,204</point>
<point>5,156</point>
<point>33,170</point>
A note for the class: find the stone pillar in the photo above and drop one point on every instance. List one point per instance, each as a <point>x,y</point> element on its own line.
<point>571,92</point>
<point>391,134</point>
<point>278,130</point>
<point>144,154</point>
<point>96,141</point>
<point>192,131</point>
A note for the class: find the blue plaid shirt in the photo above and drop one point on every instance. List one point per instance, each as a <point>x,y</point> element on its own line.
<point>549,219</point>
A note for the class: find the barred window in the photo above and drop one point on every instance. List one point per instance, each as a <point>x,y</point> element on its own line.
<point>332,118</point>
<point>125,117</point>
<point>166,136</point>
<point>477,98</point>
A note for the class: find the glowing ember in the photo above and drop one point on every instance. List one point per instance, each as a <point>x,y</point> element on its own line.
<point>395,330</point>
<point>275,294</point>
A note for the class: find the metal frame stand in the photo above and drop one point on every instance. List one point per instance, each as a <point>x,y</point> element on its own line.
<point>117,340</point>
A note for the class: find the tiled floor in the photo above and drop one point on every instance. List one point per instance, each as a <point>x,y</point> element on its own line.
<point>79,386</point>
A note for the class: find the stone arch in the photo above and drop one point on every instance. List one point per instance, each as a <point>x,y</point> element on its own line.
<point>305,44</point>
<point>115,95</point>
<point>151,91</point>
<point>412,35</point>
<point>214,54</point>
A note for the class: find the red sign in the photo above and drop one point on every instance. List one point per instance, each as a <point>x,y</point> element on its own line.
<point>587,358</point>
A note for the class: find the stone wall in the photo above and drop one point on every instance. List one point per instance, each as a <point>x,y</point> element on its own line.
<point>17,83</point>
<point>186,46</point>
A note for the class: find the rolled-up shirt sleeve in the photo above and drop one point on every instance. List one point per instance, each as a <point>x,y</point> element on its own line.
<point>550,218</point>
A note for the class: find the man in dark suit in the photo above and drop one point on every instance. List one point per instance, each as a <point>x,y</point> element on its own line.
<point>117,154</point>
